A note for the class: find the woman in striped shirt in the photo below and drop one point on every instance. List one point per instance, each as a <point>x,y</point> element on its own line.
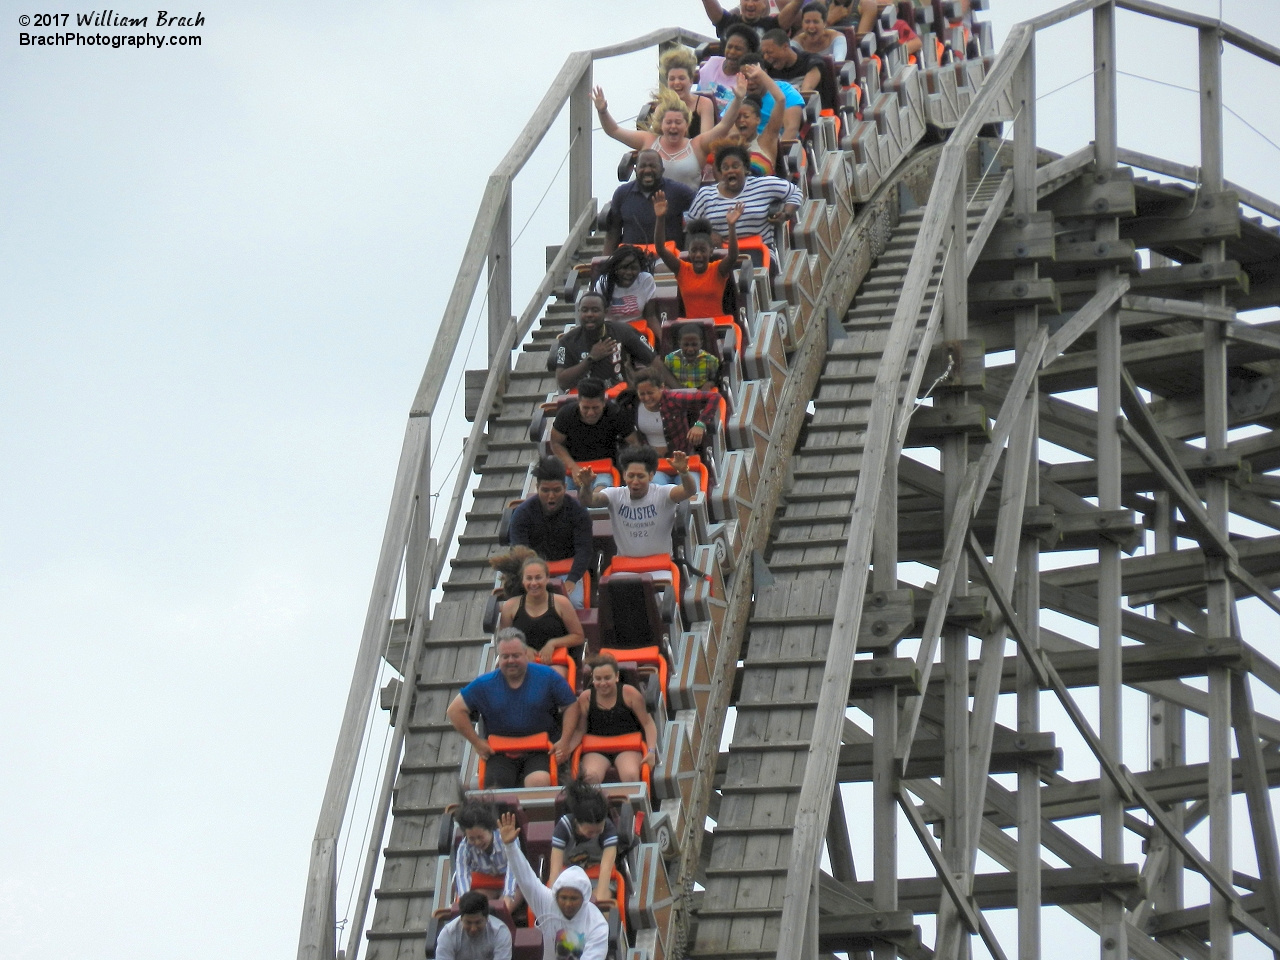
<point>756,194</point>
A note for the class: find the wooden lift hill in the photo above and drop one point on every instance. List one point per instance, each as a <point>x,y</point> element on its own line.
<point>938,253</point>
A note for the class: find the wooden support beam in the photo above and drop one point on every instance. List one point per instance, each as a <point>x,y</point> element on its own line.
<point>1069,800</point>
<point>1175,569</point>
<point>1141,664</point>
<point>1008,852</point>
<point>1202,217</point>
<point>1016,293</point>
<point>1084,319</point>
<point>1104,195</point>
<point>1184,309</point>
<point>997,891</point>
<point>962,900</point>
<point>976,480</point>
<point>1022,238</point>
<point>1257,795</point>
<point>863,931</point>
<point>1005,756</point>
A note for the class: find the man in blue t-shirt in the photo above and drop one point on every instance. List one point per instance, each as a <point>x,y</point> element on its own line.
<point>519,699</point>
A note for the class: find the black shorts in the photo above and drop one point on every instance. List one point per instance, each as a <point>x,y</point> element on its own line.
<point>613,757</point>
<point>503,771</point>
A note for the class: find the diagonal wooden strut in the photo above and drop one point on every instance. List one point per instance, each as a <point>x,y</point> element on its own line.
<point>1130,790</point>
<point>969,912</point>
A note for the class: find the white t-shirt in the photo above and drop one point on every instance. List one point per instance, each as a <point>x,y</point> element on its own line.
<point>642,528</point>
<point>649,423</point>
<point>629,302</point>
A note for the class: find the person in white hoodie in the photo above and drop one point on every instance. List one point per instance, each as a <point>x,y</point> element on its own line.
<point>573,928</point>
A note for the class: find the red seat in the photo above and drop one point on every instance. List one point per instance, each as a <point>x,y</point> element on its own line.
<point>642,327</point>
<point>601,467</point>
<point>560,658</point>
<point>629,741</point>
<point>757,249</point>
<point>593,874</point>
<point>642,657</point>
<point>538,742</point>
<point>561,568</point>
<point>650,564</point>
<point>695,462</point>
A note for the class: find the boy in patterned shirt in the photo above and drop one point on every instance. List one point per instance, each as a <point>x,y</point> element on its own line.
<point>691,366</point>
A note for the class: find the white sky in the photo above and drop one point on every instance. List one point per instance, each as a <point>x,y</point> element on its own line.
<point>223,268</point>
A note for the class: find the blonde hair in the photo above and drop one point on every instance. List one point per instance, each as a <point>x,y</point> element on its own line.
<point>664,104</point>
<point>676,57</point>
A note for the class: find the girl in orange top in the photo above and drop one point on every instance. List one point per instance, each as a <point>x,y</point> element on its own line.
<point>701,288</point>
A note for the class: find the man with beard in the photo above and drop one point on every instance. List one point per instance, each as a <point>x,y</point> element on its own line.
<point>609,351</point>
<point>631,210</point>
<point>754,14</point>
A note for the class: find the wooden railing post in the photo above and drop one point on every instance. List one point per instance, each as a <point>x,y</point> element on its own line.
<point>417,545</point>
<point>318,939</point>
<point>580,121</point>
<point>1027,583</point>
<point>1112,931</point>
<point>499,277</point>
<point>1105,127</point>
<point>953,939</point>
<point>1219,598</point>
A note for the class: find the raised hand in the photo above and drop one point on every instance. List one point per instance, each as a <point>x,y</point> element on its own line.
<point>731,216</point>
<point>585,478</point>
<point>597,97</point>
<point>507,828</point>
<point>659,204</point>
<point>680,460</point>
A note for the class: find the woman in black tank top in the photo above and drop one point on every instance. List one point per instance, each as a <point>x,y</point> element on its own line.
<point>546,619</point>
<point>613,709</point>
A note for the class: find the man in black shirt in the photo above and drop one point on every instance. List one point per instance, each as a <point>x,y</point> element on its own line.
<point>807,72</point>
<point>590,428</point>
<point>556,526</point>
<point>631,212</point>
<point>754,13</point>
<point>606,350</point>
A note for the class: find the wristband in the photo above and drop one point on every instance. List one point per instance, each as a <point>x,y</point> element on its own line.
<point>699,423</point>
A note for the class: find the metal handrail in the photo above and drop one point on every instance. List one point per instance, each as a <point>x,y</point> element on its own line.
<point>406,545</point>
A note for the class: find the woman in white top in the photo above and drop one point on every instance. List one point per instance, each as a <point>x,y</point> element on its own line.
<point>718,76</point>
<point>678,68</point>
<point>682,158</point>
<point>628,286</point>
<point>816,37</point>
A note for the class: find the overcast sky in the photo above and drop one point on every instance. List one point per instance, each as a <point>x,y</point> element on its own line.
<point>223,267</point>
